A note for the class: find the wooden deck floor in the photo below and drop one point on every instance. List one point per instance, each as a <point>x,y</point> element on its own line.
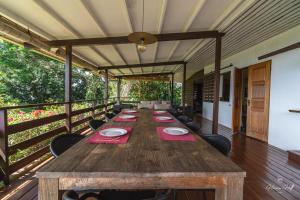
<point>269,173</point>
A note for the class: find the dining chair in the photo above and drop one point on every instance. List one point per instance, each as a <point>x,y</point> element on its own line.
<point>59,145</point>
<point>63,142</point>
<point>134,195</point>
<point>220,142</point>
<point>94,124</point>
<point>72,195</point>
<point>193,126</point>
<point>116,111</point>
<point>184,119</point>
<point>110,115</point>
<point>173,111</point>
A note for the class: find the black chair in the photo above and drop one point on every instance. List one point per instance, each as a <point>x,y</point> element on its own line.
<point>110,115</point>
<point>184,119</point>
<point>220,142</point>
<point>127,195</point>
<point>122,106</point>
<point>63,142</point>
<point>193,126</point>
<point>59,145</point>
<point>116,111</point>
<point>94,124</point>
<point>72,195</point>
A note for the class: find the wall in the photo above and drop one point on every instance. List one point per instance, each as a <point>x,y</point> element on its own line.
<point>225,108</point>
<point>190,87</point>
<point>284,127</point>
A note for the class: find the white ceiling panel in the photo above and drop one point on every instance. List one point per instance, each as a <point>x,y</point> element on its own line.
<point>129,52</point>
<point>91,55</point>
<point>110,53</point>
<point>24,9</point>
<point>244,22</point>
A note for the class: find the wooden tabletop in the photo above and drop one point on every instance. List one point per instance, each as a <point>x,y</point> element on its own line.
<point>145,155</point>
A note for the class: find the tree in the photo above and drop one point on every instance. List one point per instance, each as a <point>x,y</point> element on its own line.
<point>28,77</point>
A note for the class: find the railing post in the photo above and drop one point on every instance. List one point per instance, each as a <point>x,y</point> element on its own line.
<point>172,90</point>
<point>119,91</point>
<point>183,86</point>
<point>106,90</point>
<point>215,123</point>
<point>68,88</point>
<point>4,162</point>
<point>94,103</point>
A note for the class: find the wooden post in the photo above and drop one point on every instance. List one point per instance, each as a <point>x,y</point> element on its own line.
<point>119,91</point>
<point>183,86</point>
<point>172,89</point>
<point>106,90</point>
<point>68,87</point>
<point>4,161</point>
<point>215,123</point>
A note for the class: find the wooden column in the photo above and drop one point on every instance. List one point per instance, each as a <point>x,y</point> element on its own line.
<point>183,86</point>
<point>4,158</point>
<point>216,85</point>
<point>68,87</point>
<point>172,89</point>
<point>106,90</point>
<point>119,91</point>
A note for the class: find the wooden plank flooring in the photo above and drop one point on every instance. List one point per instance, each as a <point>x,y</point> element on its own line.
<point>270,175</point>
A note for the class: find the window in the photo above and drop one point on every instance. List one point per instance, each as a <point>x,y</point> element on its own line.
<point>225,87</point>
<point>208,87</point>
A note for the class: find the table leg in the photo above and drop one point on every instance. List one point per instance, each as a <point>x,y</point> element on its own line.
<point>232,191</point>
<point>48,189</point>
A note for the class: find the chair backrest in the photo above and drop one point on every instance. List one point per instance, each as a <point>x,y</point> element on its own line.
<point>193,126</point>
<point>110,115</point>
<point>162,106</point>
<point>184,119</point>
<point>118,108</point>
<point>148,105</point>
<point>63,142</point>
<point>220,142</point>
<point>94,124</point>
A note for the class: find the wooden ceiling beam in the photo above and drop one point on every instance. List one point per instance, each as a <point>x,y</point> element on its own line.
<point>158,75</point>
<point>142,65</point>
<point>124,39</point>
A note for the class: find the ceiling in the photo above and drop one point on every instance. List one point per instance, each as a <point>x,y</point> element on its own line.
<point>71,19</point>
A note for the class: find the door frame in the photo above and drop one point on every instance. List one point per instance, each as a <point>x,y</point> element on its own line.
<point>237,101</point>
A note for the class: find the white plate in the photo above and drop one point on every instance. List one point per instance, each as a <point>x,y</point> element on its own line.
<point>163,118</point>
<point>129,111</point>
<point>127,116</point>
<point>160,111</point>
<point>113,132</point>
<point>175,131</point>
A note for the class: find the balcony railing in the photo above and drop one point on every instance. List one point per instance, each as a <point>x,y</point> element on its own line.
<point>27,140</point>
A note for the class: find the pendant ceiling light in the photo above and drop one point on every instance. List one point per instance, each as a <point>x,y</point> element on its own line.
<point>142,38</point>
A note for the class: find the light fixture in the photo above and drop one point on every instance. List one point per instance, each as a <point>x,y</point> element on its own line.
<point>141,39</point>
<point>141,47</point>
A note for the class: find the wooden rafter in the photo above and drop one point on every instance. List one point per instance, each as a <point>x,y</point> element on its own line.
<point>124,39</point>
<point>142,65</point>
<point>145,75</point>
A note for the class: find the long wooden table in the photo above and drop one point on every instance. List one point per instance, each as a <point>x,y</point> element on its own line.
<point>145,162</point>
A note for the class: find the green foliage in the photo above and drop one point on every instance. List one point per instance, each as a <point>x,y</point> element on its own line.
<point>28,77</point>
<point>154,90</point>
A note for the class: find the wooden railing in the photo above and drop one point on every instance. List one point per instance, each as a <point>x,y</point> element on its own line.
<point>40,142</point>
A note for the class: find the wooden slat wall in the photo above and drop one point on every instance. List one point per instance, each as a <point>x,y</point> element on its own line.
<point>190,87</point>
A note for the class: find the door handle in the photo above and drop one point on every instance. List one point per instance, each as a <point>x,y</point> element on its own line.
<point>248,102</point>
